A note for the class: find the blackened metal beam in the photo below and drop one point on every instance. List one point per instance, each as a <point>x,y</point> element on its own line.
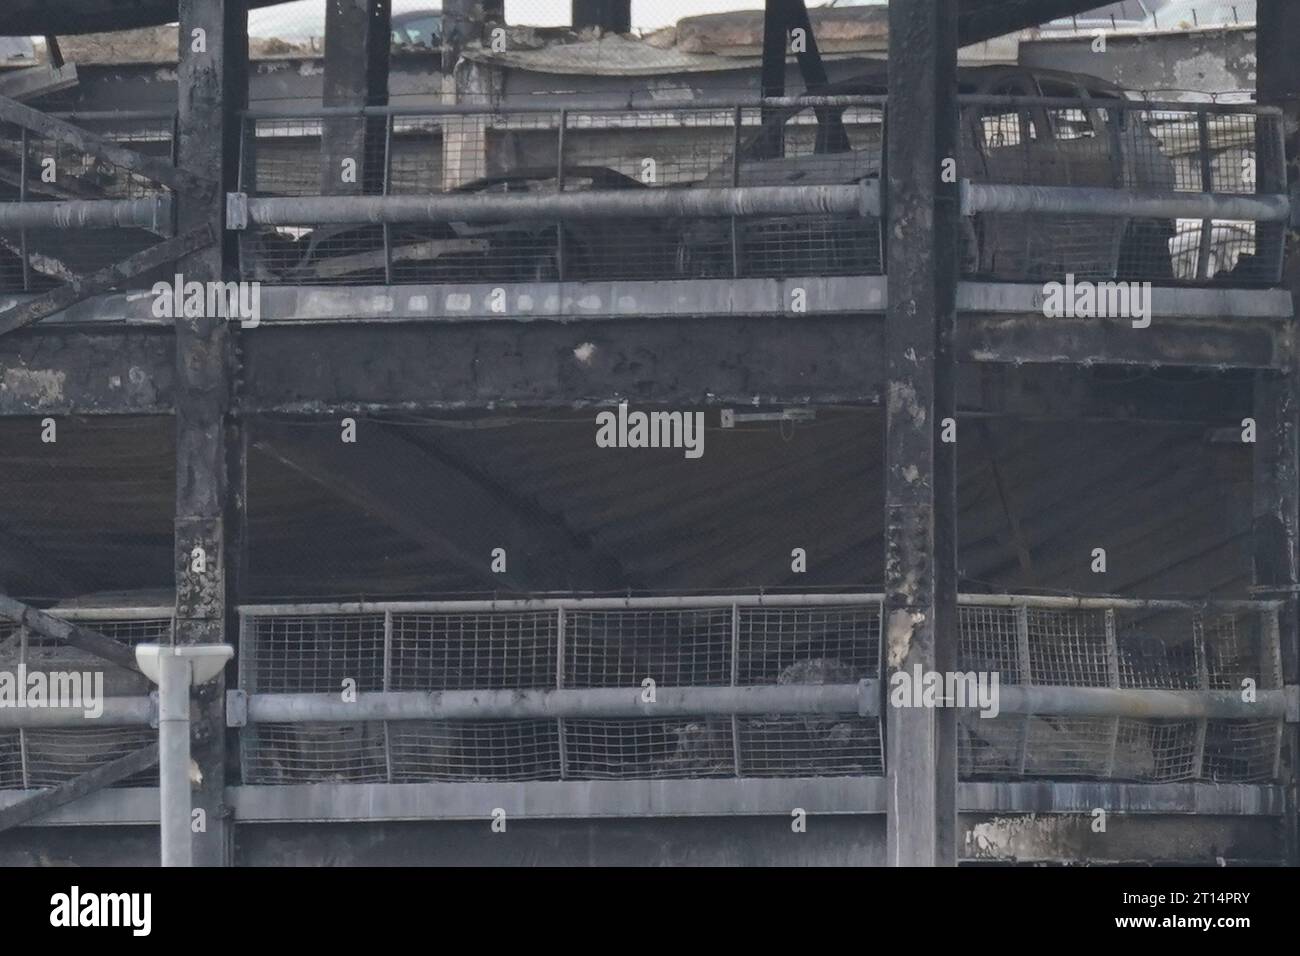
<point>357,44</point>
<point>1276,507</point>
<point>74,635</point>
<point>212,86</point>
<point>159,170</point>
<point>110,773</point>
<point>920,470</point>
<point>78,289</point>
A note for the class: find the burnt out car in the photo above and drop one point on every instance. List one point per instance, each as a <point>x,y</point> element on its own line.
<point>517,250</point>
<point>1006,137</point>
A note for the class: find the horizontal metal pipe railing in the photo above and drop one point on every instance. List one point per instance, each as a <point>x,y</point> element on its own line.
<point>504,109</point>
<point>1126,105</point>
<point>862,698</point>
<point>861,199</point>
<point>1123,203</point>
<point>858,200</point>
<point>154,214</point>
<point>117,712</point>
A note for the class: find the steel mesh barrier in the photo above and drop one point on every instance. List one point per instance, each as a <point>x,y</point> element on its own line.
<point>398,152</point>
<point>35,168</point>
<point>1122,145</point>
<point>1121,647</point>
<point>46,757</point>
<point>1030,141</point>
<point>571,646</point>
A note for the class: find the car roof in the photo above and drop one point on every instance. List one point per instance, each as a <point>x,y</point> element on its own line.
<point>970,79</point>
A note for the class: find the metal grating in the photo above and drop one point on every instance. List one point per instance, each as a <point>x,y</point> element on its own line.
<point>1121,144</point>
<point>572,647</point>
<point>47,757</point>
<point>1124,647</point>
<point>530,152</point>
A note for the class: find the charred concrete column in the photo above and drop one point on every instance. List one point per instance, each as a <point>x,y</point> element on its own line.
<point>1276,507</point>
<point>212,86</point>
<point>612,16</point>
<point>920,474</point>
<point>358,37</point>
<point>463,22</point>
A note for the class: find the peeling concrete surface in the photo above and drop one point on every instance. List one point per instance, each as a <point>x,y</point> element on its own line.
<point>39,386</point>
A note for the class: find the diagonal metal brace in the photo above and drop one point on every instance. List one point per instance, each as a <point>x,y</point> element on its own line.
<point>56,300</point>
<point>103,148</point>
<point>56,628</point>
<point>110,773</point>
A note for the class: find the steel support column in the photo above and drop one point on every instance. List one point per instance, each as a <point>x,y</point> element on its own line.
<point>212,85</point>
<point>1276,508</point>
<point>920,474</point>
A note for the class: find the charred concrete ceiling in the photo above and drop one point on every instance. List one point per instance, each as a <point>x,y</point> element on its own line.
<point>93,512</point>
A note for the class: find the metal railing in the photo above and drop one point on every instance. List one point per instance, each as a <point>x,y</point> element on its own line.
<point>65,214</point>
<point>46,746</point>
<point>1097,188</point>
<point>786,685</point>
<point>778,686</point>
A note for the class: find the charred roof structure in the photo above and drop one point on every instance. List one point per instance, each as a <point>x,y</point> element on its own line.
<point>773,359</point>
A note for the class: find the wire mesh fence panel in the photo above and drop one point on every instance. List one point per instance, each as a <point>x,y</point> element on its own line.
<point>474,750</point>
<point>813,645</point>
<point>517,651</point>
<point>1068,648</point>
<point>1122,146</point>
<point>1126,647</point>
<point>37,168</point>
<point>303,654</point>
<point>630,749</point>
<point>11,761</point>
<point>531,153</point>
<point>46,757</point>
<point>1242,751</point>
<point>580,648</point>
<point>795,746</point>
<point>674,648</point>
<point>57,756</point>
<point>989,641</point>
<point>314,753</point>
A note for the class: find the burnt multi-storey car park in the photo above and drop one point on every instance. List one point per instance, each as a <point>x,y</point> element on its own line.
<point>795,262</point>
